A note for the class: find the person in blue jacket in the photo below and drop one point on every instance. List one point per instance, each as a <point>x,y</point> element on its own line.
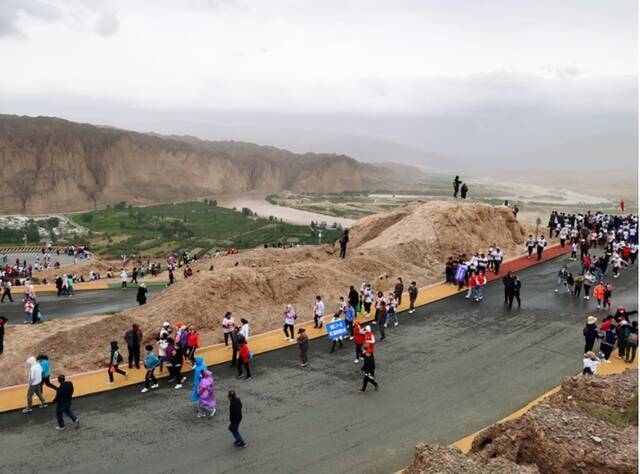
<point>151,361</point>
<point>43,360</point>
<point>197,375</point>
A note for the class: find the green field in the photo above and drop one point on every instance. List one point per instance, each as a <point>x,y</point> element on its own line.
<point>195,227</point>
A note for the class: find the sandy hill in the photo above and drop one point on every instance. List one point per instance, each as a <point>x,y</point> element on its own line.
<point>412,242</point>
<point>53,165</point>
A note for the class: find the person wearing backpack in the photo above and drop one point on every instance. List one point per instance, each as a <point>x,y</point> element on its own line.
<point>150,363</point>
<point>115,358</point>
<point>632,343</point>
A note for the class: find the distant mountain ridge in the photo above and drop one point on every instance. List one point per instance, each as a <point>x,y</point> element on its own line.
<point>54,165</point>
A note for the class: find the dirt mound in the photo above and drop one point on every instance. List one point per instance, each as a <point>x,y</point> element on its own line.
<point>411,242</point>
<point>575,430</point>
<point>449,460</point>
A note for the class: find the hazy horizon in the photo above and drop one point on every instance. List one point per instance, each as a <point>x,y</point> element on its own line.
<point>490,88</point>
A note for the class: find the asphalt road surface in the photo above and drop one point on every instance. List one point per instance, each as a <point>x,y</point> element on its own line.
<point>83,303</point>
<point>449,370</point>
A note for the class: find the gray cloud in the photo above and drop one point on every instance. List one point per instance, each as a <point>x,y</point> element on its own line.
<point>12,11</point>
<point>107,23</point>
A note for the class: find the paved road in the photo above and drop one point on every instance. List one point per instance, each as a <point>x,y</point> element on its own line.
<point>451,369</point>
<point>83,303</point>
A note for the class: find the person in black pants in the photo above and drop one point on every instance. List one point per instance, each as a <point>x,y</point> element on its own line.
<point>133,338</point>
<point>235,417</point>
<point>6,287</point>
<point>507,282</point>
<point>354,297</point>
<point>369,369</point>
<point>236,340</point>
<point>64,396</point>
<point>515,293</point>
<point>344,240</point>
<point>3,321</point>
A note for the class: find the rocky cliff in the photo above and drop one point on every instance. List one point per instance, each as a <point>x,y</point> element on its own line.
<point>53,165</point>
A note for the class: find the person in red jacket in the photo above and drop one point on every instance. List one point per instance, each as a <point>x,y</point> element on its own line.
<point>193,342</point>
<point>244,359</point>
<point>358,338</point>
<point>481,282</point>
<point>471,293</point>
<point>369,345</point>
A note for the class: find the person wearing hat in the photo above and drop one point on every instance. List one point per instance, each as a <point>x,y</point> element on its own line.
<point>590,333</point>
<point>590,363</point>
<point>141,297</point>
<point>303,346</point>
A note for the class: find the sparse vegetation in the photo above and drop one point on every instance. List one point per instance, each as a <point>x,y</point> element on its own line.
<point>156,230</point>
<point>621,419</point>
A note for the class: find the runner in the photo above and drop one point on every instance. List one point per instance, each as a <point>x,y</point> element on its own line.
<point>561,281</point>
<point>115,358</point>
<point>541,244</point>
<point>598,292</point>
<point>531,244</point>
<point>150,364</point>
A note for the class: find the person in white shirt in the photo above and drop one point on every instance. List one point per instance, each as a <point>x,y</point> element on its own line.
<point>318,312</point>
<point>34,384</point>
<point>244,329</point>
<point>227,327</point>
<point>542,243</point>
<point>123,278</point>
<point>289,320</point>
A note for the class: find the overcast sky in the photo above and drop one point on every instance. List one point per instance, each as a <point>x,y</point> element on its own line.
<point>436,58</point>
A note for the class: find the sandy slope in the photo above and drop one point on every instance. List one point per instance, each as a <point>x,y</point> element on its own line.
<point>412,242</point>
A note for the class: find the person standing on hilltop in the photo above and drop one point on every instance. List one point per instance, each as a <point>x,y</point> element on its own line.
<point>456,186</point>
<point>464,190</point>
<point>344,240</point>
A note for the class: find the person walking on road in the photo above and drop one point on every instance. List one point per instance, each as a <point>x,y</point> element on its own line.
<point>141,296</point>
<point>235,418</point>
<point>115,359</point>
<point>6,291</point>
<point>150,363</point>
<point>590,333</point>
<point>244,360</point>
<point>369,369</point>
<point>133,338</point>
<point>531,244</point>
<point>413,296</point>
<point>206,395</point>
<point>289,321</point>
<point>589,280</point>
<point>34,385</point>
<point>303,346</point>
<point>338,340</point>
<point>344,240</point>
<point>349,318</point>
<point>64,396</point>
<point>197,377</point>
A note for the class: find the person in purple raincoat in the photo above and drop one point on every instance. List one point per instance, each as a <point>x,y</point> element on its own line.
<point>206,395</point>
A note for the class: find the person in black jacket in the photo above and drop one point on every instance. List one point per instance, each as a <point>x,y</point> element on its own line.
<point>515,293</point>
<point>508,283</point>
<point>141,297</point>
<point>3,321</point>
<point>64,395</point>
<point>369,369</point>
<point>133,338</point>
<point>354,297</point>
<point>235,417</point>
<point>344,240</point>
